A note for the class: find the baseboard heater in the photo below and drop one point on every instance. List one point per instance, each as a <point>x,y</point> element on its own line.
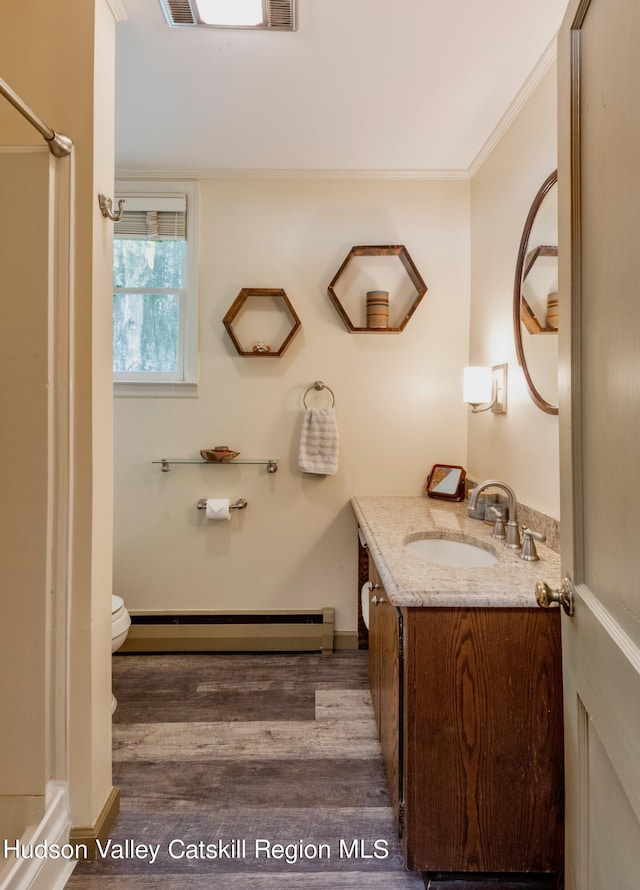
<point>293,631</point>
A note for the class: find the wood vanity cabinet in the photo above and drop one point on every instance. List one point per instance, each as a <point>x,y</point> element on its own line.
<point>468,703</point>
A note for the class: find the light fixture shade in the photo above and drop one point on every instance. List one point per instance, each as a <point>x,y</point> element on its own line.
<point>242,13</point>
<point>478,385</point>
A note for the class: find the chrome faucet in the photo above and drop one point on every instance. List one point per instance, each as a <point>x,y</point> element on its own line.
<point>512,531</point>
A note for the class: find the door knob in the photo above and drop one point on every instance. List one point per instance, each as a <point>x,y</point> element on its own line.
<point>545,596</point>
<point>376,600</point>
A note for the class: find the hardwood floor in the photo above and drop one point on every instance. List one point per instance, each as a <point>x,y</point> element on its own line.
<point>490,882</point>
<point>213,750</point>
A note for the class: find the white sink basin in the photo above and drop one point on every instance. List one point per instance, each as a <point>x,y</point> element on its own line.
<point>446,552</point>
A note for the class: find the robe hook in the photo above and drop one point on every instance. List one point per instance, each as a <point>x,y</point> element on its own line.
<point>106,207</point>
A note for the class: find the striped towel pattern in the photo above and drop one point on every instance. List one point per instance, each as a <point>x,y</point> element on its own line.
<point>319,442</point>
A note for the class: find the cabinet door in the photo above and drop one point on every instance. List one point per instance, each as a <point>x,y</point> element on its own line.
<point>483,731</point>
<point>375,642</point>
<point>391,681</point>
<point>385,677</point>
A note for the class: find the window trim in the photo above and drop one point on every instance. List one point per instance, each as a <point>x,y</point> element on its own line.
<point>143,383</point>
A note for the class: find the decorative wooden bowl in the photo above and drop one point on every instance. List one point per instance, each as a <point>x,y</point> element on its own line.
<point>219,455</point>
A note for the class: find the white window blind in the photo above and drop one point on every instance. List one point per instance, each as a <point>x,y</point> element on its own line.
<point>155,318</point>
<point>156,218</point>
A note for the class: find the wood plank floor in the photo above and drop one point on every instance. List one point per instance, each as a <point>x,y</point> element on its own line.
<point>211,750</point>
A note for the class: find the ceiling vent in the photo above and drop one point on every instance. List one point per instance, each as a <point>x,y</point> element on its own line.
<point>178,12</point>
<point>277,15</point>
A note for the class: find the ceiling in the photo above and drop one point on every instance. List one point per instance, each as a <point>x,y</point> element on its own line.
<point>405,86</point>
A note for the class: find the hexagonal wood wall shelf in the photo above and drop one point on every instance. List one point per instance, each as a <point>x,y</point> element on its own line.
<point>261,322</point>
<point>419,288</point>
<point>531,315</point>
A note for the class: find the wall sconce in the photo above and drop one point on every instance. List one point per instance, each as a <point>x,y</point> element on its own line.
<point>485,389</point>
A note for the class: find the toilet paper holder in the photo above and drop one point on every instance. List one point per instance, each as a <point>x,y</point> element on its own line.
<point>240,504</point>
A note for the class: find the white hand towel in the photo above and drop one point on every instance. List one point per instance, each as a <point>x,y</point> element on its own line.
<point>319,442</point>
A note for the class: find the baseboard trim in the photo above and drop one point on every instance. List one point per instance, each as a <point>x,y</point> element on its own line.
<point>345,640</point>
<point>85,838</point>
<point>47,873</point>
<point>293,631</point>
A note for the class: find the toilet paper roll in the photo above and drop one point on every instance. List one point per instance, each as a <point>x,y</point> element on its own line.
<point>365,593</point>
<point>218,508</point>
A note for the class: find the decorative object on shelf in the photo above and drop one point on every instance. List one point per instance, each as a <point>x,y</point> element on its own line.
<point>271,463</point>
<point>552,311</point>
<point>220,453</point>
<point>446,482</point>
<point>414,288</point>
<point>377,308</point>
<point>536,277</point>
<point>270,311</point>
<point>485,388</point>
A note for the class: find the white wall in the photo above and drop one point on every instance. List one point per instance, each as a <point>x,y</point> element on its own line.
<point>398,397</point>
<point>397,400</point>
<point>520,447</point>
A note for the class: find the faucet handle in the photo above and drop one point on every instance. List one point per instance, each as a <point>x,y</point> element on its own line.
<point>529,551</point>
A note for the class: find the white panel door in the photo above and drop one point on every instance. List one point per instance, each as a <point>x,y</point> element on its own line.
<point>599,253</point>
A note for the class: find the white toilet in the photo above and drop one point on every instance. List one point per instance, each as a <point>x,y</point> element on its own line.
<point>120,624</point>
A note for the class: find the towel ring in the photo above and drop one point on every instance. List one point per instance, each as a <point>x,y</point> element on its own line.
<point>319,385</point>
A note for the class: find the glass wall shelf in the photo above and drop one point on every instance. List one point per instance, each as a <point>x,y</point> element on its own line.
<point>270,462</point>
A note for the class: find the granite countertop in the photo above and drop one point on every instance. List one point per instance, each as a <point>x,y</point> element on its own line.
<point>387,523</point>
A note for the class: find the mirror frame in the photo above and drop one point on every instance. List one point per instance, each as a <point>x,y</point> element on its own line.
<point>438,473</point>
<point>546,186</point>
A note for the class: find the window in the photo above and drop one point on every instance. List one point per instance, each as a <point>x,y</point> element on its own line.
<point>155,301</point>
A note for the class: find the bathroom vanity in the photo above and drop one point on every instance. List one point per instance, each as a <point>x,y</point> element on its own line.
<point>465,675</point>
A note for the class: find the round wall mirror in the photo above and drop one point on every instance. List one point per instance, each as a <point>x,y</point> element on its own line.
<point>535,298</point>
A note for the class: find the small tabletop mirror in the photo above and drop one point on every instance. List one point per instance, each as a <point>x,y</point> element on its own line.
<point>446,482</point>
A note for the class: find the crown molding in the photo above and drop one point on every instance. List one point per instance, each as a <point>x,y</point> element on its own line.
<point>238,173</point>
<point>118,9</point>
<point>544,63</point>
